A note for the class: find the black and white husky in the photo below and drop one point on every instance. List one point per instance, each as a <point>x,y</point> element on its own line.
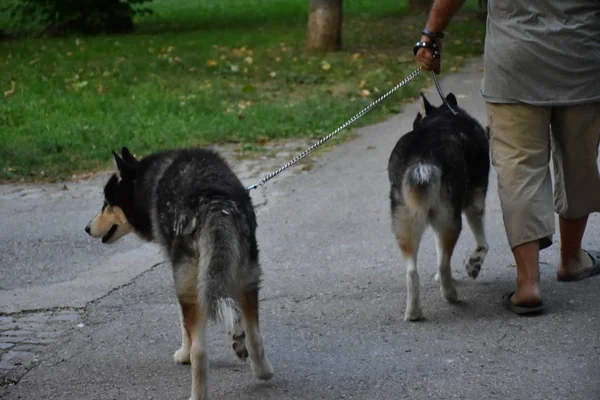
<point>438,171</point>
<point>192,204</point>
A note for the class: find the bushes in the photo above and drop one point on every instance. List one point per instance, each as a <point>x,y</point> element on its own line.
<point>86,16</point>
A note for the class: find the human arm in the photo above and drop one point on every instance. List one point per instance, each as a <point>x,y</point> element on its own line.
<point>440,15</point>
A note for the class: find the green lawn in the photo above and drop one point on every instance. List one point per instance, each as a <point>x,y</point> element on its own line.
<point>203,71</point>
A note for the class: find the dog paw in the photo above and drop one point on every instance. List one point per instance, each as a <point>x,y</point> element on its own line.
<point>240,350</point>
<point>182,356</point>
<point>450,294</point>
<point>475,261</point>
<point>412,315</point>
<point>238,344</point>
<point>263,371</point>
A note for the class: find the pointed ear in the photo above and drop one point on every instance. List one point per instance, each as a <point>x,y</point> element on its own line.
<point>127,156</point>
<point>451,99</point>
<point>426,105</point>
<point>417,120</point>
<point>124,170</point>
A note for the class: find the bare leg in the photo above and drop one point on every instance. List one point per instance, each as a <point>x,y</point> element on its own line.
<point>572,258</point>
<point>527,257</point>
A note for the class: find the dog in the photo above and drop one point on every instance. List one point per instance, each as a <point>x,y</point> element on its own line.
<point>192,204</point>
<point>437,172</point>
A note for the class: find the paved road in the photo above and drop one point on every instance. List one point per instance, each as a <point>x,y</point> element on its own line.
<point>332,304</point>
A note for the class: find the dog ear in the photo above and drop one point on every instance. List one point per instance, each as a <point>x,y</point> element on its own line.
<point>417,120</point>
<point>426,105</point>
<point>127,156</point>
<point>124,170</point>
<point>451,99</point>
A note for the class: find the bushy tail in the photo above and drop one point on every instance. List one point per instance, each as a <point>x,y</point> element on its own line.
<point>421,186</point>
<point>220,259</point>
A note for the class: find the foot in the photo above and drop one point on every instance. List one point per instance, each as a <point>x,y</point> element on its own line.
<point>587,264</point>
<point>521,308</point>
<point>182,356</point>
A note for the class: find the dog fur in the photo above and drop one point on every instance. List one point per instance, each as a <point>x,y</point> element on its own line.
<point>192,204</point>
<point>438,171</point>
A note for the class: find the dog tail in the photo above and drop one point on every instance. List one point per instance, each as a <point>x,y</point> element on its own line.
<point>421,186</point>
<point>220,257</point>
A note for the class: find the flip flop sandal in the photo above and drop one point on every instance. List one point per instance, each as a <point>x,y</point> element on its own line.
<point>586,273</point>
<point>521,309</point>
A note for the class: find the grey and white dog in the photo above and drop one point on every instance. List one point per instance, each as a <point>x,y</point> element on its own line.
<point>438,171</point>
<point>192,204</point>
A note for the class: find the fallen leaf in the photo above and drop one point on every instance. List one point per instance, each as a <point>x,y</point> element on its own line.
<point>364,93</point>
<point>277,59</point>
<point>11,91</point>
<point>192,69</point>
<point>362,84</point>
<point>262,140</point>
<point>356,56</point>
<point>79,85</point>
<point>34,61</point>
<point>458,42</point>
<point>248,60</point>
<point>212,63</point>
<point>101,89</point>
<point>325,66</point>
<point>235,68</point>
<point>273,74</point>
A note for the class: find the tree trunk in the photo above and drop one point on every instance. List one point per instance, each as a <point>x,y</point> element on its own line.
<point>420,5</point>
<point>324,31</point>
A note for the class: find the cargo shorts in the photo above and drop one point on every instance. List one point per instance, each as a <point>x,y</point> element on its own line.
<point>524,138</point>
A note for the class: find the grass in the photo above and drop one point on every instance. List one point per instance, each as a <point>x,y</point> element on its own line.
<point>201,72</point>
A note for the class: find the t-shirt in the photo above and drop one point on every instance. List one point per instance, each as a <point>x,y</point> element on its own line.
<point>542,52</point>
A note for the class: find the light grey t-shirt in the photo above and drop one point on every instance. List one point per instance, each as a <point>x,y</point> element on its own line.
<point>542,52</point>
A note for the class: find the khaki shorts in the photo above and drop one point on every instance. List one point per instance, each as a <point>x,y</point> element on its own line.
<point>523,139</point>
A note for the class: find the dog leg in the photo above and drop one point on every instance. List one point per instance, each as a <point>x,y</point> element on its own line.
<point>447,229</point>
<point>238,340</point>
<point>476,216</point>
<point>261,367</point>
<point>445,242</point>
<point>196,321</point>
<point>182,356</point>
<point>409,228</point>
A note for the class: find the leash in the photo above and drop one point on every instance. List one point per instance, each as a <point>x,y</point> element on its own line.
<point>441,93</point>
<point>352,120</point>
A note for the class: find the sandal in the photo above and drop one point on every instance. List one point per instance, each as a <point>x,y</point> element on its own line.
<point>587,272</point>
<point>521,309</point>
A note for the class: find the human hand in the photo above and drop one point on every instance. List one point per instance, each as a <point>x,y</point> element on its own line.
<point>425,57</point>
